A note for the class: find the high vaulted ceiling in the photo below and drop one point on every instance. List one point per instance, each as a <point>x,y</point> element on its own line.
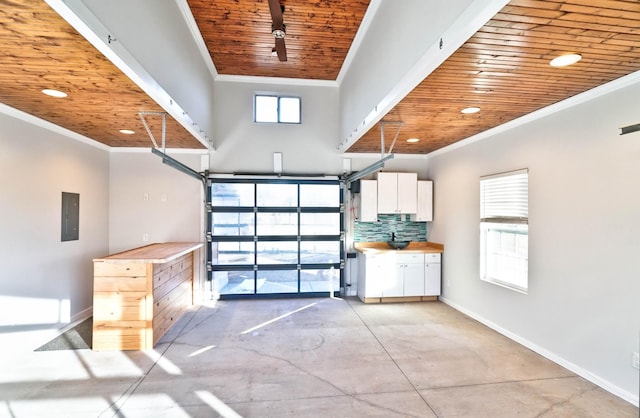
<point>503,69</point>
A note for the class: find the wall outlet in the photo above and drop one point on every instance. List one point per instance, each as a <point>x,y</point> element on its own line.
<point>145,237</point>
<point>635,360</point>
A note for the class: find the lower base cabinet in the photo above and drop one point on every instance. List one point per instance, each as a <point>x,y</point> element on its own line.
<point>398,275</point>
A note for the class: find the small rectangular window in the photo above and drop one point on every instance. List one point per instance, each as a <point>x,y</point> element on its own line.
<point>276,109</point>
<point>504,229</point>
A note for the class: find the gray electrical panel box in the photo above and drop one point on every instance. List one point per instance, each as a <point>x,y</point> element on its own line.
<point>70,216</point>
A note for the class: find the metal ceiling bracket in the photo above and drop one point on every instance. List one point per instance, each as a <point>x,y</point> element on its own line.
<point>628,129</point>
<point>164,128</point>
<point>378,165</point>
<point>172,162</point>
<point>395,138</point>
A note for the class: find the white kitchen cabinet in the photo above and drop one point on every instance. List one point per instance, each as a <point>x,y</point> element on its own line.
<point>397,192</point>
<point>375,275</point>
<point>394,274</point>
<point>425,201</point>
<point>410,268</point>
<point>368,201</point>
<point>432,274</point>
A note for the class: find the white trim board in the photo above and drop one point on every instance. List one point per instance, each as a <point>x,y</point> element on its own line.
<point>597,380</point>
<point>275,80</point>
<point>147,150</point>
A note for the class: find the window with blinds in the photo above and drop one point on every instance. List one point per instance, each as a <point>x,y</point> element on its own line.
<point>504,229</point>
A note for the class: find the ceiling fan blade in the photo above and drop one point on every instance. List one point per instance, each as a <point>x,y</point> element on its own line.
<point>281,49</point>
<point>276,14</point>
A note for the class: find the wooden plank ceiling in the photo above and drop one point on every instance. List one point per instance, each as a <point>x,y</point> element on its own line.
<point>504,70</point>
<point>40,50</point>
<point>318,36</point>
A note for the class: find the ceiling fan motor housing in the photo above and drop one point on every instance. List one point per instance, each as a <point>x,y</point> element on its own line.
<point>279,32</point>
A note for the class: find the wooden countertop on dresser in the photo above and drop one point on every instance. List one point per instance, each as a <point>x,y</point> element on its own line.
<point>153,253</point>
<point>414,247</point>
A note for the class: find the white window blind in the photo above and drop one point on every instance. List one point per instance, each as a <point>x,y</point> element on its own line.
<point>505,197</point>
<point>504,230</point>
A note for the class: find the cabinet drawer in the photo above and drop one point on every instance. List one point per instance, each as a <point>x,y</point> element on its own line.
<point>101,268</point>
<point>409,258</point>
<point>170,284</point>
<point>120,306</point>
<point>432,258</point>
<point>121,335</point>
<point>120,284</point>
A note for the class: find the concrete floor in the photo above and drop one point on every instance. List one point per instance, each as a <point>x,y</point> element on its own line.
<point>303,358</point>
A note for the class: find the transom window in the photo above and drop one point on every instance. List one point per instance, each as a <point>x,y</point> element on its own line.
<point>276,109</point>
<point>504,229</point>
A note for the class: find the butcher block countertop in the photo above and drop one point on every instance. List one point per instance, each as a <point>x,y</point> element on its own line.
<point>152,253</point>
<point>414,247</point>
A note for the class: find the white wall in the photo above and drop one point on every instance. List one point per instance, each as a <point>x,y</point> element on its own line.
<point>242,145</point>
<point>149,197</point>
<point>43,281</point>
<point>582,307</point>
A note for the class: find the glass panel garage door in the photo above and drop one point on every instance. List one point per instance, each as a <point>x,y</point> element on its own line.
<point>276,237</point>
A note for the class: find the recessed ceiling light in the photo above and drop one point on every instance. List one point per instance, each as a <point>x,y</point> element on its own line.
<point>54,93</point>
<point>469,110</point>
<point>564,60</point>
<point>412,140</point>
<point>127,131</point>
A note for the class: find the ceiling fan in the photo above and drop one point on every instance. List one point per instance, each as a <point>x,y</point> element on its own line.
<point>278,28</point>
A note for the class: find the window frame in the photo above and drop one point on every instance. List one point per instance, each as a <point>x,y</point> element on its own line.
<point>279,115</point>
<point>505,217</point>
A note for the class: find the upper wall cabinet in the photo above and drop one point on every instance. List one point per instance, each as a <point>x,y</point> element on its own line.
<point>425,202</point>
<point>368,201</point>
<point>397,192</point>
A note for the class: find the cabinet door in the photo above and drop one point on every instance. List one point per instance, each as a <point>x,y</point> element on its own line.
<point>387,192</point>
<point>432,279</point>
<point>414,279</point>
<point>425,201</point>
<point>393,285</point>
<point>407,192</point>
<point>368,201</point>
<point>378,272</point>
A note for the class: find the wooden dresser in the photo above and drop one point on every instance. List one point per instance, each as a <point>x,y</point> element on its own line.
<point>139,294</point>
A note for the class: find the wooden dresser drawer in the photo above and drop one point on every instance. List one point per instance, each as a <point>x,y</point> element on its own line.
<point>119,284</point>
<point>119,269</point>
<point>125,335</point>
<point>120,306</point>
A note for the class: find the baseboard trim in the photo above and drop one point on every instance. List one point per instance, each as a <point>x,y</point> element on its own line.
<point>596,380</point>
<point>76,319</point>
<point>82,315</point>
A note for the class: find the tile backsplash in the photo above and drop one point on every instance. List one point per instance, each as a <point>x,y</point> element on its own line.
<point>405,230</point>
